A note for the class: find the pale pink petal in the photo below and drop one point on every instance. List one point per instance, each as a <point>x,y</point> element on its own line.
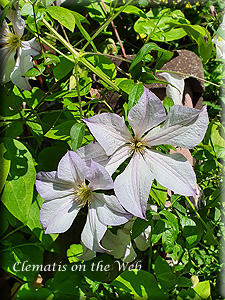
<point>94,151</point>
<point>147,113</point>
<point>133,185</point>
<point>18,23</point>
<point>98,177</point>
<point>117,159</point>
<point>7,62</point>
<point>172,171</point>
<point>71,168</point>
<point>50,187</point>
<point>56,216</point>
<point>184,127</point>
<point>109,130</point>
<point>109,210</point>
<point>93,231</point>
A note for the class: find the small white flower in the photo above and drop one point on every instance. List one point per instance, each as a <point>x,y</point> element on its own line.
<point>15,54</point>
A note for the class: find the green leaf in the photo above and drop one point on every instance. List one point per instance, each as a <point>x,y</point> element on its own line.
<point>159,194</point>
<point>168,103</point>
<point>130,9</point>
<point>163,273</point>
<point>202,37</point>
<point>63,16</point>
<point>141,284</point>
<point>134,95</point>
<point>61,131</point>
<point>51,59</point>
<point>18,191</point>
<point>49,157</point>
<point>66,283</point>
<point>125,85</point>
<point>38,70</point>
<point>63,68</point>
<point>19,252</point>
<point>103,64</point>
<point>77,133</point>
<point>144,51</point>
<point>74,251</point>
<point>26,10</point>
<point>28,291</point>
<point>139,226</point>
<point>192,230</point>
<point>4,165</point>
<point>47,3</point>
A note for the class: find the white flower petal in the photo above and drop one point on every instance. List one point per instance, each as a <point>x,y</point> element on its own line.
<point>184,127</point>
<point>172,171</point>
<point>93,151</point>
<point>7,62</point>
<point>174,92</point>
<point>50,187</point>
<point>56,216</point>
<point>23,64</point>
<point>30,47</point>
<point>72,168</point>
<point>133,185</point>
<point>117,159</point>
<point>98,177</point>
<point>147,113</point>
<point>18,23</point>
<point>93,232</point>
<point>109,210</point>
<point>109,130</point>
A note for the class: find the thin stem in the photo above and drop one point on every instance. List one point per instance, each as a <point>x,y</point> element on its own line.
<point>78,90</point>
<point>11,232</point>
<point>79,58</point>
<point>106,24</point>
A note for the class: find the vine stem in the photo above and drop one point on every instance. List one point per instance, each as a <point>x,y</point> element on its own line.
<point>106,24</point>
<point>11,232</point>
<point>78,56</point>
<point>78,90</point>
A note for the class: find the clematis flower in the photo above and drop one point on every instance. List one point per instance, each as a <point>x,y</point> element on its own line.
<point>66,191</point>
<point>183,127</point>
<point>15,54</point>
<point>220,42</point>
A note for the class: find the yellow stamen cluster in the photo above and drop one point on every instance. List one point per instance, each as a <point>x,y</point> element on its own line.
<point>13,41</point>
<point>82,194</point>
<point>137,146</point>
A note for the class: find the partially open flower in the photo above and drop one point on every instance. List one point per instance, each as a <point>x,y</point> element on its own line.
<point>16,54</point>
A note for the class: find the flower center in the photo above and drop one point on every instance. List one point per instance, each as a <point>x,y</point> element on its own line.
<point>137,146</point>
<point>82,194</point>
<point>13,41</point>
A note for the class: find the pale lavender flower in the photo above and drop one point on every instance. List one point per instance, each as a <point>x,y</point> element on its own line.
<point>183,127</point>
<point>15,54</point>
<point>66,191</point>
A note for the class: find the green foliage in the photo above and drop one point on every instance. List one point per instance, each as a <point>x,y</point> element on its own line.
<point>81,72</point>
